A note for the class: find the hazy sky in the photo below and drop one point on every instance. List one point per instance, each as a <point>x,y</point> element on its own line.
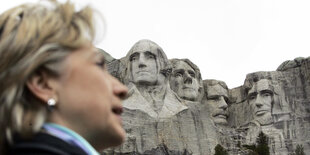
<point>226,39</point>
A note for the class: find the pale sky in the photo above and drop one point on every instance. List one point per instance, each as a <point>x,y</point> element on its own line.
<point>226,39</point>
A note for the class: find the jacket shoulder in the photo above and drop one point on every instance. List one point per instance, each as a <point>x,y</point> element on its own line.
<point>43,143</point>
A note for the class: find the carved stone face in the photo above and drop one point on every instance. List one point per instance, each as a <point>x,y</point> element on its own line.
<point>217,101</point>
<point>144,66</point>
<point>260,98</point>
<point>184,81</point>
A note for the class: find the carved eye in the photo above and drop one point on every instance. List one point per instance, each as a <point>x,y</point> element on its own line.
<point>192,74</point>
<point>151,56</point>
<point>266,94</point>
<point>178,74</point>
<point>214,98</point>
<point>133,58</point>
<point>252,97</point>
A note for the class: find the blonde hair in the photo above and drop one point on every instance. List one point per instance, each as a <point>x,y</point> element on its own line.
<point>35,38</point>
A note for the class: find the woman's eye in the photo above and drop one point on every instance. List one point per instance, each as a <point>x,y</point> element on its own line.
<point>101,63</point>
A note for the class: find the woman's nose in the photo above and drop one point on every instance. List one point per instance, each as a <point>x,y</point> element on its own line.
<point>119,89</point>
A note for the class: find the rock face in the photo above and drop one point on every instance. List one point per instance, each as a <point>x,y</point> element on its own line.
<point>171,110</point>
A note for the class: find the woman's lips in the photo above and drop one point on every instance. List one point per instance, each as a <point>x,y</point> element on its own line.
<point>118,111</point>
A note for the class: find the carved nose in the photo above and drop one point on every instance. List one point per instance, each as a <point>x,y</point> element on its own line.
<point>258,102</point>
<point>142,65</point>
<point>188,79</point>
<point>142,62</point>
<point>223,104</point>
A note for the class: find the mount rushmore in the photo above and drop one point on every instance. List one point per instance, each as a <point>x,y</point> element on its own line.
<point>171,109</point>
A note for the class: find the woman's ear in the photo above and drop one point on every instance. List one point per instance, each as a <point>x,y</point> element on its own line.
<point>42,86</point>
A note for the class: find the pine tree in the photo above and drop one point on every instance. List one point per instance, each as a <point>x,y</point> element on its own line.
<point>262,147</point>
<point>219,150</point>
<point>299,150</point>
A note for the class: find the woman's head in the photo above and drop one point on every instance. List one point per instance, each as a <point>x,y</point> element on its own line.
<point>46,52</point>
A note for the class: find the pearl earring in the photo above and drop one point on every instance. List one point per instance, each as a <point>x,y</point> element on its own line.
<point>51,102</point>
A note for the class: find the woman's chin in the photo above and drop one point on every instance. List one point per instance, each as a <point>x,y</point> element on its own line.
<point>122,136</point>
<point>119,137</point>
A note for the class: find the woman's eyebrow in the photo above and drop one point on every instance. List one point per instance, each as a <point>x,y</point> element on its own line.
<point>96,54</point>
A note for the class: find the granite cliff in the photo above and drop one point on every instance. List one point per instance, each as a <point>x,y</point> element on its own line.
<point>171,109</point>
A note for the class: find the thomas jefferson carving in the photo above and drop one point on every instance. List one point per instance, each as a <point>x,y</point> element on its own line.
<point>186,79</point>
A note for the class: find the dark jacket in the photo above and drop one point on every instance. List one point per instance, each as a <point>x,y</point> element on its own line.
<point>43,144</point>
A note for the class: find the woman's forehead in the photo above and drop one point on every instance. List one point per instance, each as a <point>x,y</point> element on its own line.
<point>85,52</point>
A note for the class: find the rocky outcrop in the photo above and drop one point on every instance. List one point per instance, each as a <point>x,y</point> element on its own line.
<point>108,58</point>
<point>289,64</point>
<point>171,110</point>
